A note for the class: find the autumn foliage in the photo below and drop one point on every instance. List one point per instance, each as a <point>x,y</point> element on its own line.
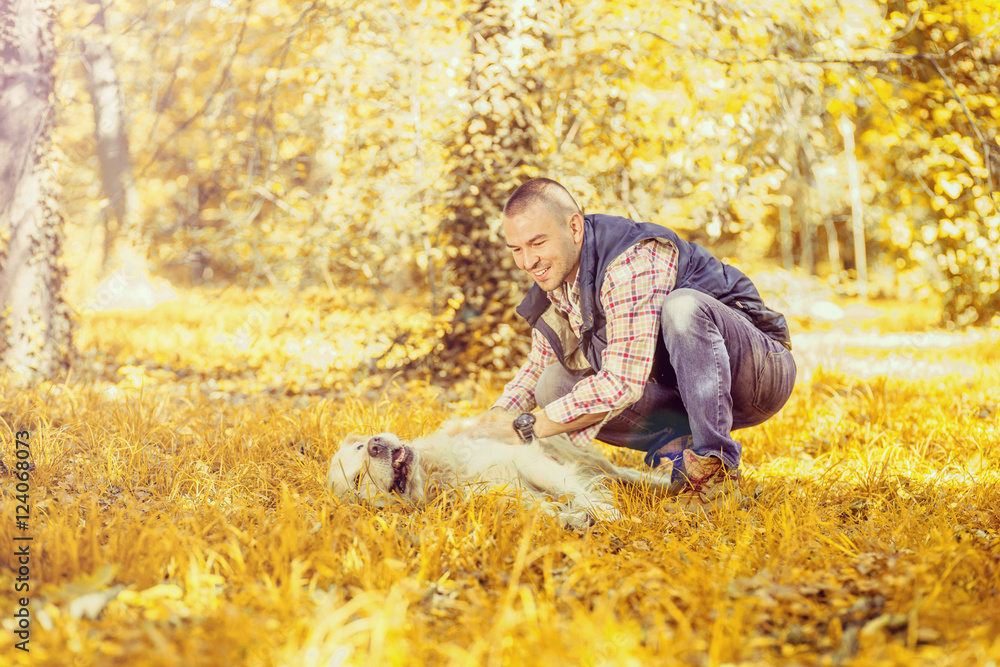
<point>294,144</point>
<point>179,516</point>
<point>310,191</point>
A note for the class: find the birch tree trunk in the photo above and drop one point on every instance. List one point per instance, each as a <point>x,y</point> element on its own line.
<point>785,217</point>
<point>857,217</point>
<point>826,215</point>
<point>112,140</point>
<point>35,325</point>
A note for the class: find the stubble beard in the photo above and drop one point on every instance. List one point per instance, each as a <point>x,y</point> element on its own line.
<point>555,278</point>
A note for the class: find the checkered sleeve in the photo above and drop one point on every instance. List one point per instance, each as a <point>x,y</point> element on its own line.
<point>632,296</point>
<point>519,394</point>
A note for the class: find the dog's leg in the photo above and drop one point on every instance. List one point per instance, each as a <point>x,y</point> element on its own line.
<point>560,479</point>
<point>569,516</point>
<point>647,479</point>
<point>564,450</point>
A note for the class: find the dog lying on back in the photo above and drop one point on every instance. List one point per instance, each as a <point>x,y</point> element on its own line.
<point>564,479</point>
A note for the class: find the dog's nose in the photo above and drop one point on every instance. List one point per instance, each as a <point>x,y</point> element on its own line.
<point>375,446</point>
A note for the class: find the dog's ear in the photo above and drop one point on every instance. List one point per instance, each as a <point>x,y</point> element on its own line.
<point>353,439</point>
<point>346,463</point>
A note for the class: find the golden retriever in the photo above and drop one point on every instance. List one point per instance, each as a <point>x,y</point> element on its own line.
<point>564,479</point>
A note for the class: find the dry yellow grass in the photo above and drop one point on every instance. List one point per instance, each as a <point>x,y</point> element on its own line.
<point>179,517</point>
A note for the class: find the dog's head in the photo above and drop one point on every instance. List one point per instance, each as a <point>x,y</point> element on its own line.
<point>369,467</point>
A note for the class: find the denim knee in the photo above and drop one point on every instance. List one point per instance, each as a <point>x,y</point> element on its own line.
<point>681,309</point>
<point>554,383</point>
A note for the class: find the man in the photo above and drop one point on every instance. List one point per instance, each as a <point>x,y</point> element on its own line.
<point>639,339</point>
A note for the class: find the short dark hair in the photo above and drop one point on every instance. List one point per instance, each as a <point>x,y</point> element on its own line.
<point>542,191</point>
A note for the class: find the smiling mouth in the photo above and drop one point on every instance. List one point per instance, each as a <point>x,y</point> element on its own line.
<point>402,460</point>
<point>542,273</point>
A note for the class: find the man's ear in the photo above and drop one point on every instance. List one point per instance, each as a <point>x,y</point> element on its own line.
<point>576,227</point>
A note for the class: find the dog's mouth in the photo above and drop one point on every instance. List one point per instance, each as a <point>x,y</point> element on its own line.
<point>402,461</point>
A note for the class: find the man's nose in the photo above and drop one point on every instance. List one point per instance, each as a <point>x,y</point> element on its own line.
<point>530,259</point>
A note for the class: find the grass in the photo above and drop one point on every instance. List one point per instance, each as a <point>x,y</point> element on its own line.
<point>179,517</point>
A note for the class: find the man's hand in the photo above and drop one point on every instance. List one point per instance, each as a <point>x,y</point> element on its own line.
<point>501,431</point>
<point>493,415</point>
<point>498,424</point>
<point>496,414</point>
<point>495,424</point>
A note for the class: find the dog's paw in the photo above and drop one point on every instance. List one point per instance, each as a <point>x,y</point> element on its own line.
<point>606,512</point>
<point>579,520</point>
<point>596,512</point>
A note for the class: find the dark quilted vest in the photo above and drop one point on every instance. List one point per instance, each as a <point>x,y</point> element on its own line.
<point>606,237</point>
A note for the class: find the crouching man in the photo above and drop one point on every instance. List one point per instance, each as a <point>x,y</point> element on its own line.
<point>639,339</point>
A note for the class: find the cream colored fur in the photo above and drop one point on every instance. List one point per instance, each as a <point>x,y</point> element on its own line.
<point>564,479</point>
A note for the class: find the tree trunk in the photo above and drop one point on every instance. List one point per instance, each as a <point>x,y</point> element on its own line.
<point>785,216</point>
<point>826,215</point>
<point>35,326</point>
<point>858,223</point>
<point>112,140</point>
<point>497,149</point>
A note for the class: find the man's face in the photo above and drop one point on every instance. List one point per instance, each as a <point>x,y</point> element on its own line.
<point>543,245</point>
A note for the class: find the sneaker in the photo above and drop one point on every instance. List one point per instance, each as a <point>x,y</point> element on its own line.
<point>705,483</point>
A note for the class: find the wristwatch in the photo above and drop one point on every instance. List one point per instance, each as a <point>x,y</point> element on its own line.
<point>524,425</point>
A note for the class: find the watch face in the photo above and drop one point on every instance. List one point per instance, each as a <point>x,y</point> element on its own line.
<point>524,426</point>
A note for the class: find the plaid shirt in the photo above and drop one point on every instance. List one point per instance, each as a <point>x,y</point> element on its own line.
<point>635,285</point>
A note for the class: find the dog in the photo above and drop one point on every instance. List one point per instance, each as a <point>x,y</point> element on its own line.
<point>565,480</point>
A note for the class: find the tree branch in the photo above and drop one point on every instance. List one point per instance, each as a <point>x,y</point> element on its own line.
<point>968,116</point>
<point>884,59</point>
<point>859,62</point>
<point>224,76</point>
<point>292,34</point>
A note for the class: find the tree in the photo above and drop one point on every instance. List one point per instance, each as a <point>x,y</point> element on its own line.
<point>112,139</point>
<point>939,128</point>
<point>497,146</point>
<point>373,142</point>
<point>35,325</point>
<point>540,91</point>
<point>379,154</point>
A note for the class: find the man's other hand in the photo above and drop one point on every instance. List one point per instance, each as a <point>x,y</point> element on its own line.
<point>501,431</point>
<point>497,415</point>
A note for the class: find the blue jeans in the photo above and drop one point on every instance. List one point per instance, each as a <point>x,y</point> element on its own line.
<point>714,373</point>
